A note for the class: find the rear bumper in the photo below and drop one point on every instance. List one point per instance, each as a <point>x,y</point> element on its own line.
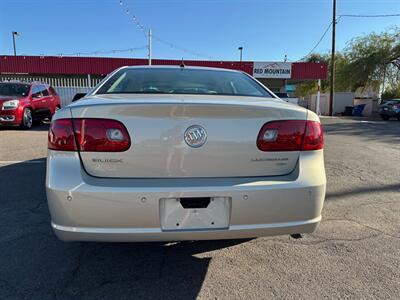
<point>84,208</point>
<point>156,234</point>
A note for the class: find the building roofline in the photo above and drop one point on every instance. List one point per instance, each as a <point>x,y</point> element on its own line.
<point>68,65</point>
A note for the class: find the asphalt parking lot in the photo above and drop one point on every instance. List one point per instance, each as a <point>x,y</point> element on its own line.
<point>355,253</point>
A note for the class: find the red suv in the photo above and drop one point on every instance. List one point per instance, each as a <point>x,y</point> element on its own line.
<point>22,103</point>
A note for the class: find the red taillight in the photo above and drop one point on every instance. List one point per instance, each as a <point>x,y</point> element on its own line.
<point>290,135</point>
<point>94,135</point>
<point>61,136</point>
<point>101,135</point>
<point>313,138</point>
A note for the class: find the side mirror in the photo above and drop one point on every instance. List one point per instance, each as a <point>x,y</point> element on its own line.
<point>78,96</point>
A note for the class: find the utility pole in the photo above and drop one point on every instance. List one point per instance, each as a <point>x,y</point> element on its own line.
<point>332,79</point>
<point>285,60</point>
<point>241,53</point>
<point>150,47</point>
<point>14,33</point>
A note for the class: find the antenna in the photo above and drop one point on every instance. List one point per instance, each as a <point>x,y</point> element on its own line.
<point>150,46</point>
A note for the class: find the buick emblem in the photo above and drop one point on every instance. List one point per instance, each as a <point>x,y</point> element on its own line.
<point>195,136</point>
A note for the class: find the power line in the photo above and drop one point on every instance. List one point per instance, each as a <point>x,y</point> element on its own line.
<point>131,15</point>
<point>98,52</point>
<point>185,50</point>
<point>319,41</point>
<point>370,16</point>
<point>174,46</point>
<point>133,18</point>
<point>347,16</point>
<point>104,52</point>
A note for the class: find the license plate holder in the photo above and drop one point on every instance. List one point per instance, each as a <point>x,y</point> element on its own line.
<point>174,216</point>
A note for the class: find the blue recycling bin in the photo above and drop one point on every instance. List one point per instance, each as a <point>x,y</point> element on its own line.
<point>358,109</point>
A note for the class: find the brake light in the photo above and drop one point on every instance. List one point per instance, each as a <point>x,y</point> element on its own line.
<point>101,135</point>
<point>290,135</point>
<point>94,135</point>
<point>313,138</point>
<point>61,136</point>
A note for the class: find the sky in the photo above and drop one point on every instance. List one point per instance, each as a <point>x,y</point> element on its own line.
<point>190,29</point>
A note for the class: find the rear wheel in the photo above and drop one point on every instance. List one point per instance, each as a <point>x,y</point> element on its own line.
<point>27,119</point>
<point>384,117</point>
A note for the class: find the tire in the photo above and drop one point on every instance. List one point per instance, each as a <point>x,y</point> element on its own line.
<point>27,119</point>
<point>384,117</point>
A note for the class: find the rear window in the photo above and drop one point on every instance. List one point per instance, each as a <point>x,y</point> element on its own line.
<point>53,91</point>
<point>182,81</point>
<point>394,101</point>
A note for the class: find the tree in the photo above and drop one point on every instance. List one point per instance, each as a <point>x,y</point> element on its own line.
<point>306,88</point>
<point>391,93</point>
<point>311,87</point>
<point>367,62</point>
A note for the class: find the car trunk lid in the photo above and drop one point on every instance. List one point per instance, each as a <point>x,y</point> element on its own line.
<point>157,126</point>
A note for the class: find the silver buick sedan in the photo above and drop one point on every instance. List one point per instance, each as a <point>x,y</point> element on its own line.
<point>183,153</point>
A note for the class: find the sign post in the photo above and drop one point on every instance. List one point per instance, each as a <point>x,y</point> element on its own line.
<point>317,110</point>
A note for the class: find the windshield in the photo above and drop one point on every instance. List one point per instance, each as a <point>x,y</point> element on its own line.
<point>14,89</point>
<point>391,102</point>
<point>182,81</point>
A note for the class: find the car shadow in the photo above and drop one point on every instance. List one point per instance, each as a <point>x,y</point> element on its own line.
<point>39,126</point>
<point>36,265</point>
<point>360,191</point>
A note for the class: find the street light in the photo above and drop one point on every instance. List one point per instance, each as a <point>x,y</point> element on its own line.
<point>241,53</point>
<point>14,34</point>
